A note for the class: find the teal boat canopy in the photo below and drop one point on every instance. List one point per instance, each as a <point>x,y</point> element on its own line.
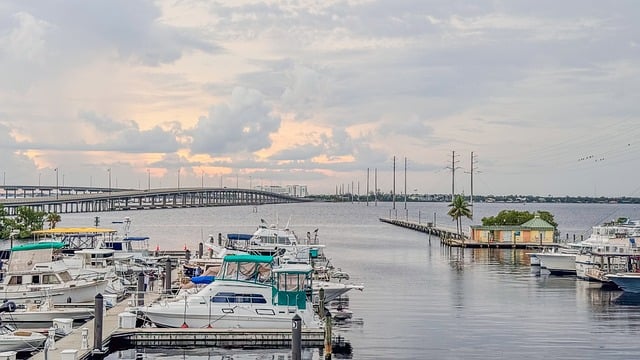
<point>248,258</point>
<point>38,246</point>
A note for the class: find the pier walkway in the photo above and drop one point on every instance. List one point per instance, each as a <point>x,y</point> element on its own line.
<point>449,236</point>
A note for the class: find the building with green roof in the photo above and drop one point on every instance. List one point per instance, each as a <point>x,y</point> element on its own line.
<point>534,231</point>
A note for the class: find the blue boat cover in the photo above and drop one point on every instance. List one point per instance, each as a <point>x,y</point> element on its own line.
<point>204,279</point>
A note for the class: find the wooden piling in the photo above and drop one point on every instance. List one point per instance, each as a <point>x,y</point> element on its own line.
<point>296,337</point>
<point>97,325</point>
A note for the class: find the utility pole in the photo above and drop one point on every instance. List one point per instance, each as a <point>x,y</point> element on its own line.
<point>367,186</point>
<point>393,196</point>
<point>405,183</point>
<point>473,170</point>
<point>375,185</point>
<point>453,174</point>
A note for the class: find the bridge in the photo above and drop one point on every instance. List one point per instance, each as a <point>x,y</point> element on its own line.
<point>89,199</point>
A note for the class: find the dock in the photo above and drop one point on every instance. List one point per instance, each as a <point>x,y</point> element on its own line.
<point>449,237</point>
<point>115,336</point>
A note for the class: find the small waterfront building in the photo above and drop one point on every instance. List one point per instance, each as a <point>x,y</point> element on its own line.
<point>534,231</point>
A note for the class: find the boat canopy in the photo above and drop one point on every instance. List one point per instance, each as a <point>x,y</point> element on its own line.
<point>248,258</point>
<point>244,237</point>
<point>136,238</point>
<point>38,246</point>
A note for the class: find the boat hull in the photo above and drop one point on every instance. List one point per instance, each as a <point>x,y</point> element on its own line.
<point>558,263</point>
<point>234,316</point>
<point>628,282</point>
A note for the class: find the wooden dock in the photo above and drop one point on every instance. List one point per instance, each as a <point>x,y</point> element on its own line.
<point>449,236</point>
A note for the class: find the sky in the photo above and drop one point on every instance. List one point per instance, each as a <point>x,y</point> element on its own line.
<point>190,93</point>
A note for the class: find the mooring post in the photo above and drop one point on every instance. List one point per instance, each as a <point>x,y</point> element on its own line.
<point>167,276</point>
<point>97,328</point>
<point>321,303</point>
<point>327,337</point>
<point>219,239</point>
<point>51,340</point>
<point>296,337</point>
<point>200,250</point>
<point>140,292</point>
<point>187,255</point>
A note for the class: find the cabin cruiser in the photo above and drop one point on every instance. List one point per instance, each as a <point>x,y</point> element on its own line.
<point>36,272</point>
<point>249,292</point>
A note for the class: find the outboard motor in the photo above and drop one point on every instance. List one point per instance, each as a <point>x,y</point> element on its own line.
<point>8,306</point>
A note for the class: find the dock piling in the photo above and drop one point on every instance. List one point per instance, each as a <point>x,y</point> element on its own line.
<point>97,325</point>
<point>141,289</point>
<point>200,250</point>
<point>327,337</point>
<point>296,337</point>
<point>167,277</point>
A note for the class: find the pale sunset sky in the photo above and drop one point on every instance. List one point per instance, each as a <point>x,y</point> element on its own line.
<point>546,94</point>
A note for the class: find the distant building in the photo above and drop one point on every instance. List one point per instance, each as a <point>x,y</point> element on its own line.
<point>534,231</point>
<point>291,190</point>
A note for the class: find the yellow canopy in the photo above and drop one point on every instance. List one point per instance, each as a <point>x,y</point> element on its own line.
<point>73,230</point>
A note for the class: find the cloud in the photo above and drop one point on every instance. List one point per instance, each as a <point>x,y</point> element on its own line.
<point>244,124</point>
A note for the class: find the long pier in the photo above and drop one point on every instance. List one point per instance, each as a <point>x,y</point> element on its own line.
<point>92,201</point>
<point>450,237</point>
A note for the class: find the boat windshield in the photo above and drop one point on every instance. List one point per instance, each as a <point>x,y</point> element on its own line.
<point>247,271</point>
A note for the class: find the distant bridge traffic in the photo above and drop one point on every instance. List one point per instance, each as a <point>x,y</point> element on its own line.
<point>70,199</point>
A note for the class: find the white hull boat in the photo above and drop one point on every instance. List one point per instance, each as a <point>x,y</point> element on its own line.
<point>37,272</point>
<point>558,263</point>
<point>248,293</point>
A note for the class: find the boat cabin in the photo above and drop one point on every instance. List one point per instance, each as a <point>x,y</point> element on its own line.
<point>293,284</point>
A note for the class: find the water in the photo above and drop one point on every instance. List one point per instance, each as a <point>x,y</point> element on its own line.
<point>422,300</point>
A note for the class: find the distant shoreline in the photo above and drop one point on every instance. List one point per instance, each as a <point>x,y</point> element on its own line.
<point>482,199</point>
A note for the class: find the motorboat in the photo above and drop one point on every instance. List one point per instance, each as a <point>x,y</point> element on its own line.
<point>628,281</point>
<point>249,292</point>
<point>45,313</point>
<point>12,339</point>
<point>36,271</point>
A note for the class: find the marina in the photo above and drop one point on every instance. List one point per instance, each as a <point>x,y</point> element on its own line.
<point>399,268</point>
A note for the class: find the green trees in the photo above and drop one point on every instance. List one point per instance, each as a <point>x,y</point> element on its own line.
<point>53,218</point>
<point>514,217</point>
<point>25,221</point>
<point>459,208</point>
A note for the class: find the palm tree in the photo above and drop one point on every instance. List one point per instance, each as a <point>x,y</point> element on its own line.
<point>459,208</point>
<point>53,219</point>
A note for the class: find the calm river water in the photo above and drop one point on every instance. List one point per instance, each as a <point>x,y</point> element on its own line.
<point>422,300</point>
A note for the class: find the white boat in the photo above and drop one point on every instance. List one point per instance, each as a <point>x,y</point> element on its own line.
<point>248,293</point>
<point>628,282</point>
<point>45,313</point>
<point>608,249</point>
<point>558,263</point>
<point>36,272</point>
<point>18,340</point>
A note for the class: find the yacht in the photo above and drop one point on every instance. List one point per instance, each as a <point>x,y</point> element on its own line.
<point>36,272</point>
<point>249,292</point>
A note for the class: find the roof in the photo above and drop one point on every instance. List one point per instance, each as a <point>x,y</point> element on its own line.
<point>294,269</point>
<point>537,223</point>
<point>73,230</point>
<point>248,258</point>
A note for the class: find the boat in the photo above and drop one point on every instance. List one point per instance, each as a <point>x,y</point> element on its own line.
<point>20,341</point>
<point>559,263</point>
<point>36,272</point>
<point>249,292</point>
<point>628,281</point>
<point>610,248</point>
<point>45,313</point>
